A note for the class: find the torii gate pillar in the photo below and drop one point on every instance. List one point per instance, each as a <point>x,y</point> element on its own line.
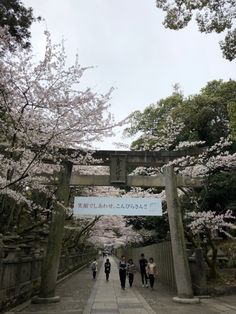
<point>52,258</point>
<point>180,260</point>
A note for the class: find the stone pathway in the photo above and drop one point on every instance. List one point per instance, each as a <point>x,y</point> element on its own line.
<point>108,297</point>
<point>81,294</point>
<point>74,293</point>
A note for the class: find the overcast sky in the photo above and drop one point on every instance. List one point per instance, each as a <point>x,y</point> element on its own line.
<point>130,50</point>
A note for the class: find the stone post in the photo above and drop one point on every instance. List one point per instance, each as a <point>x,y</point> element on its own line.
<point>2,246</point>
<point>180,260</point>
<point>52,259</point>
<point>198,272</point>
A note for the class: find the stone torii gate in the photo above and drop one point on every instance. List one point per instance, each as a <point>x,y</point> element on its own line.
<point>119,161</point>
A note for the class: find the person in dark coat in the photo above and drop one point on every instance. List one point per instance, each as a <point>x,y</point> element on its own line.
<point>107,268</point>
<point>143,264</point>
<point>122,271</point>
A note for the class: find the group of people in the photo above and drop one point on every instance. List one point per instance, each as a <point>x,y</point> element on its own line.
<point>126,269</point>
<point>148,270</point>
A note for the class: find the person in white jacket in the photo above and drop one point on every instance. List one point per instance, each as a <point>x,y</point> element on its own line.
<point>151,270</point>
<point>94,268</point>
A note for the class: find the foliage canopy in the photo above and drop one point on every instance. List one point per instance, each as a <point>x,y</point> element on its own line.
<point>18,19</point>
<point>211,16</point>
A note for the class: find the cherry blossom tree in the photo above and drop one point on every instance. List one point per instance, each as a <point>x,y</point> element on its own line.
<point>114,231</point>
<point>78,232</point>
<point>43,111</point>
<point>204,226</point>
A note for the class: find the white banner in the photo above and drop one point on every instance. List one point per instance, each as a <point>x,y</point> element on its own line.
<point>124,206</point>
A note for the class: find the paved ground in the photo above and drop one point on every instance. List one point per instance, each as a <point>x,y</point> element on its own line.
<point>74,293</point>
<point>108,297</point>
<point>81,294</point>
<point>161,302</point>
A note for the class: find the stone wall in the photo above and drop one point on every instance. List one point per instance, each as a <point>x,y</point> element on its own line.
<point>20,271</point>
<point>162,255</point>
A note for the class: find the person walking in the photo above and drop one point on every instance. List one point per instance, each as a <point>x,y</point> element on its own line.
<point>94,268</point>
<point>122,271</point>
<point>151,270</point>
<point>143,264</point>
<point>131,270</point>
<point>107,268</point>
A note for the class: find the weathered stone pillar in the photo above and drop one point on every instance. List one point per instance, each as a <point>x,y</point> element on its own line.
<point>181,266</point>
<point>53,253</point>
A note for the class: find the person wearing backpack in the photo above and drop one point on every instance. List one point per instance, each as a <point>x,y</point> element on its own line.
<point>107,268</point>
<point>94,268</point>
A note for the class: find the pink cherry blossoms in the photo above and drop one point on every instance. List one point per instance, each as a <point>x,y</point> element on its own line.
<point>43,110</point>
<point>210,221</point>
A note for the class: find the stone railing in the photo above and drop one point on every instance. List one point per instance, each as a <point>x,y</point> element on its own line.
<point>20,271</point>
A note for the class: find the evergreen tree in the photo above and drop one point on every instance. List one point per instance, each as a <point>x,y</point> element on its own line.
<point>18,19</point>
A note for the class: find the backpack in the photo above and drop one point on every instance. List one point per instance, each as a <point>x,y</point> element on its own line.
<point>93,266</point>
<point>107,267</point>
